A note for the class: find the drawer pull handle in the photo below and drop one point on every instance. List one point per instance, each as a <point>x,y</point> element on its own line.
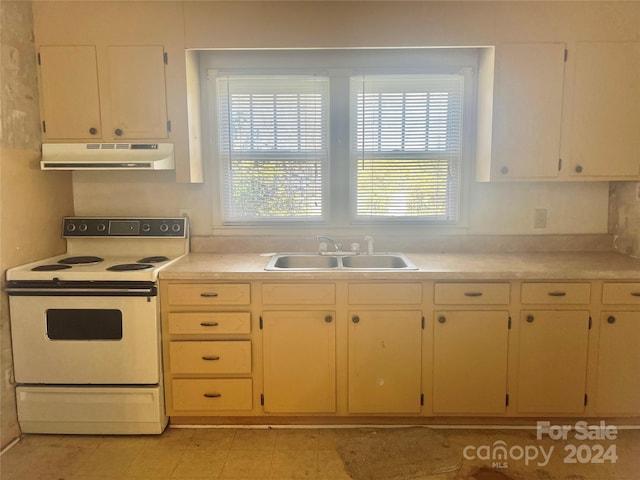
<point>635,294</point>
<point>210,357</point>
<point>208,324</point>
<point>472,294</point>
<point>212,395</point>
<point>208,294</point>
<point>557,294</point>
<point>530,318</point>
<point>442,319</point>
<point>611,319</point>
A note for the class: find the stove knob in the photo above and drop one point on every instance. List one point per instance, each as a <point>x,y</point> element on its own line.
<point>83,227</point>
<point>101,227</point>
<point>146,227</point>
<point>71,227</point>
<point>175,227</point>
<point>164,227</point>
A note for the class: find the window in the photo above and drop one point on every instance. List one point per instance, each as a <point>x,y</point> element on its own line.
<point>338,138</point>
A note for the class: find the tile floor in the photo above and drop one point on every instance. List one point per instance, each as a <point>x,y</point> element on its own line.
<point>282,454</point>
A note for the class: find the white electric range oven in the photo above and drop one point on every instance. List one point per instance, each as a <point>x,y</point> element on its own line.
<point>85,328</point>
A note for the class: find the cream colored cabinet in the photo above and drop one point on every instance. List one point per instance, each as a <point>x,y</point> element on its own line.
<point>207,348</point>
<point>103,94</point>
<point>618,380</point>
<point>385,361</point>
<point>527,112</point>
<point>603,120</point>
<point>552,361</point>
<point>470,351</point>
<point>299,355</point>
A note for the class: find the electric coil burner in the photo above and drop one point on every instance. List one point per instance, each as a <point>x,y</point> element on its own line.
<point>85,328</point>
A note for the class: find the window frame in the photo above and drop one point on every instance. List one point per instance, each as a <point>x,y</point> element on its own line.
<point>338,215</point>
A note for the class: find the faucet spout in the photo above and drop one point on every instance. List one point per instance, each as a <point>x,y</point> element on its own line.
<point>336,245</point>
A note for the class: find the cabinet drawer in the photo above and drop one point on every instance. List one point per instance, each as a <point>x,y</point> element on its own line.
<point>214,394</point>
<point>385,293</point>
<point>621,293</point>
<point>298,293</point>
<point>210,357</point>
<point>472,293</point>
<point>209,322</point>
<point>209,294</point>
<point>556,293</point>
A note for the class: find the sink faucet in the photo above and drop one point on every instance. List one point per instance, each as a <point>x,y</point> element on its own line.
<point>336,245</point>
<point>369,241</point>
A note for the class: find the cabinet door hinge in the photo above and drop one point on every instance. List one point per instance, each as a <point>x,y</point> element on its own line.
<point>506,400</point>
<point>169,126</point>
<point>509,324</point>
<point>590,322</point>
<point>260,322</point>
<point>586,399</point>
<point>422,399</point>
<point>44,126</point>
<point>566,54</point>
<point>39,59</point>
<point>262,399</point>
<point>422,322</point>
<point>165,57</point>
<point>559,164</point>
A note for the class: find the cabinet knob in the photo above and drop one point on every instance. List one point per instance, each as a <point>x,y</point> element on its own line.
<point>504,170</point>
<point>442,319</point>
<point>93,130</point>
<point>579,168</point>
<point>530,318</point>
<point>611,319</point>
<point>355,319</point>
<point>118,132</point>
<point>328,319</point>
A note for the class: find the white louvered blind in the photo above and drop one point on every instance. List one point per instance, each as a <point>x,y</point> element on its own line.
<point>406,146</point>
<point>273,147</point>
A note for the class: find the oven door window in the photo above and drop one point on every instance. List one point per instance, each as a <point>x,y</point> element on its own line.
<point>84,324</point>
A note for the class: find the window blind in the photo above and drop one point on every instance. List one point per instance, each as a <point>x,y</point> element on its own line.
<point>406,146</point>
<point>273,147</point>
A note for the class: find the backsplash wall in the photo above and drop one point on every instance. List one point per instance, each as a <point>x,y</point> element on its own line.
<point>624,217</point>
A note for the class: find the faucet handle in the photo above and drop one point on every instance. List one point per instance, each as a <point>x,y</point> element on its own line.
<point>369,241</point>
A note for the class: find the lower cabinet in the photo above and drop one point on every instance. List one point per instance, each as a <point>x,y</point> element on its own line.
<point>299,361</point>
<point>618,384</point>
<point>552,362</point>
<point>385,362</point>
<point>470,362</point>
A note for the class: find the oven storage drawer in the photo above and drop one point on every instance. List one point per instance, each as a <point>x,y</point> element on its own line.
<point>208,294</point>
<point>548,293</point>
<point>472,293</point>
<point>614,293</point>
<point>210,357</point>
<point>212,394</point>
<point>209,323</point>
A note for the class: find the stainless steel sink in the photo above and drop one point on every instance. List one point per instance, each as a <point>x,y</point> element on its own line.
<point>316,262</point>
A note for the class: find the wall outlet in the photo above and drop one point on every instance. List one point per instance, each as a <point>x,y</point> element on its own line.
<point>185,212</point>
<point>540,218</point>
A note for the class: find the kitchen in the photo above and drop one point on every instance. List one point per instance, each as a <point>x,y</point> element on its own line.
<point>500,214</point>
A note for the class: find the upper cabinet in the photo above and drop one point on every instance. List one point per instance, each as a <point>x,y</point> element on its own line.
<point>601,137</point>
<point>111,94</point>
<point>553,112</point>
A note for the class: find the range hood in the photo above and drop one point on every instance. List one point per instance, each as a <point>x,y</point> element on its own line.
<point>107,156</point>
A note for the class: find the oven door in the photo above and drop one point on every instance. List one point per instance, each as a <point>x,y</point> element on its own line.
<point>99,340</point>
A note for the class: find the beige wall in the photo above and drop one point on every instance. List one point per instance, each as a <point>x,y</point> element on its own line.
<point>625,217</point>
<point>32,202</point>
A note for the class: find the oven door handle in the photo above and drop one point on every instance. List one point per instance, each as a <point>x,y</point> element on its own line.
<point>82,292</point>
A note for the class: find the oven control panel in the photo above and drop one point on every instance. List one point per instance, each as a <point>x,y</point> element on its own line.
<point>124,227</point>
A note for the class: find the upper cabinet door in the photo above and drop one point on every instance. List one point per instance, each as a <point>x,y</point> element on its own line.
<point>137,91</point>
<point>604,129</point>
<point>69,89</point>
<point>527,112</point>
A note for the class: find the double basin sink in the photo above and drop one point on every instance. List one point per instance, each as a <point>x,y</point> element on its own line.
<point>315,262</point>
